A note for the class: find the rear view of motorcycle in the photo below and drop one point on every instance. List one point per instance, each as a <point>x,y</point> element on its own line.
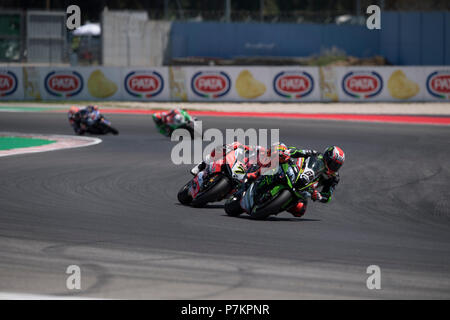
<point>89,120</point>
<point>168,122</point>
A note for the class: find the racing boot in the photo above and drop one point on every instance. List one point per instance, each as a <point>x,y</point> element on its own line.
<point>298,210</point>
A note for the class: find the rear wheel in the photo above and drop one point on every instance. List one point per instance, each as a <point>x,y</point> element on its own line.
<point>183,195</point>
<point>233,207</point>
<point>272,206</point>
<point>216,192</point>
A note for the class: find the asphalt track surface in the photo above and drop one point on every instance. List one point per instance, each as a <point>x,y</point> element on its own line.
<point>112,210</point>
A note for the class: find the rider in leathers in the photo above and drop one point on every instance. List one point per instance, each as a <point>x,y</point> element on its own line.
<point>163,118</point>
<point>81,119</point>
<point>327,172</point>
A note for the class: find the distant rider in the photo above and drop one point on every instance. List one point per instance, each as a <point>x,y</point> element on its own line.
<point>163,119</point>
<point>81,119</point>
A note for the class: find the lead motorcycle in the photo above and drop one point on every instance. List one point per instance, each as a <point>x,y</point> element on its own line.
<point>219,179</point>
<point>274,192</point>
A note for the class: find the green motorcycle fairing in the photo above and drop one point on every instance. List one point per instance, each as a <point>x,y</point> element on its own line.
<point>186,119</point>
<point>165,129</point>
<point>288,175</point>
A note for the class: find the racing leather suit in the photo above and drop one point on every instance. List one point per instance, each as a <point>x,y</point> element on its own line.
<point>327,181</point>
<point>83,119</point>
<point>163,118</point>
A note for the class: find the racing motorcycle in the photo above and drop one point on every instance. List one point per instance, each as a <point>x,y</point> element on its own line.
<point>183,121</point>
<point>219,179</point>
<point>274,192</point>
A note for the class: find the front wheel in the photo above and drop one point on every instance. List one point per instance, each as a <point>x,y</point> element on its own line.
<point>271,207</point>
<point>233,207</point>
<point>215,192</point>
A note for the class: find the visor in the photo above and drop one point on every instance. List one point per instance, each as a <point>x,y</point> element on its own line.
<point>334,166</point>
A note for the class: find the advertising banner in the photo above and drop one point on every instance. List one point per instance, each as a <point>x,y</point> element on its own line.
<point>295,84</point>
<point>437,84</point>
<point>88,83</point>
<point>393,84</point>
<point>366,84</point>
<point>234,83</point>
<point>11,87</point>
<point>252,83</point>
<point>145,84</point>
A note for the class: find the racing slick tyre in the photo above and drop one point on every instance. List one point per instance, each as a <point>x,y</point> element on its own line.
<point>233,207</point>
<point>215,192</point>
<point>183,195</point>
<point>271,207</point>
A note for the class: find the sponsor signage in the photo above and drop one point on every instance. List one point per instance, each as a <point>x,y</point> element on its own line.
<point>63,84</point>
<point>293,84</point>
<point>210,84</point>
<point>144,84</point>
<point>438,84</point>
<point>362,84</point>
<point>8,83</point>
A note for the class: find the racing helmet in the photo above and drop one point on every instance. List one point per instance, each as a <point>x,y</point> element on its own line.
<point>178,118</point>
<point>157,117</point>
<point>334,158</point>
<point>73,110</point>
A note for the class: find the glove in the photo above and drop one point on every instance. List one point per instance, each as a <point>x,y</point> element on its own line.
<point>316,196</point>
<point>252,175</point>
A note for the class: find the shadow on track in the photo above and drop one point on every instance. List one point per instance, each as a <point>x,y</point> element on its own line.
<point>273,218</point>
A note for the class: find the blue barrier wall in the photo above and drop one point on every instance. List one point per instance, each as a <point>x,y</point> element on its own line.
<point>406,38</point>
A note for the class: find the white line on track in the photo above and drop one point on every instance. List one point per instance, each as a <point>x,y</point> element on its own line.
<point>62,142</point>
